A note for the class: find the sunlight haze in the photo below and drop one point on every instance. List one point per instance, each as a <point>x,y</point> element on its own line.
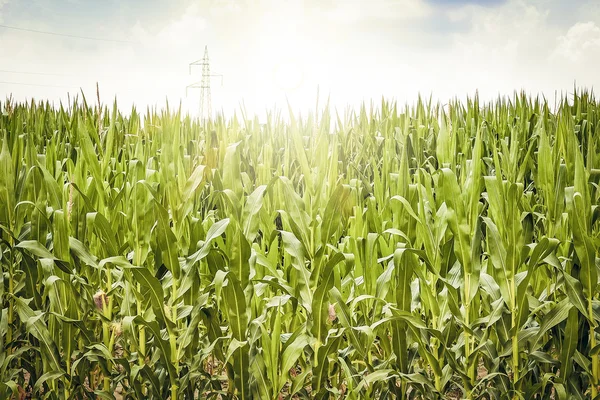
<point>270,52</point>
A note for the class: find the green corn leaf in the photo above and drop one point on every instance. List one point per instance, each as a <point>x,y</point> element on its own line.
<point>37,327</point>
<point>251,209</point>
<point>237,314</point>
<point>333,212</point>
<point>320,305</point>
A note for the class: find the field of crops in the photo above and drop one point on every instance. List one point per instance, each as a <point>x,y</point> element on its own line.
<point>421,252</point>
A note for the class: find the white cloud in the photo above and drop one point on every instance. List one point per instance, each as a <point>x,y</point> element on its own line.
<point>511,47</point>
<point>175,35</point>
<point>350,11</point>
<point>224,7</point>
<point>502,45</point>
<point>580,42</point>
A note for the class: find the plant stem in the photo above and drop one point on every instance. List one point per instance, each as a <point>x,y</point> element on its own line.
<point>106,324</point>
<point>595,372</point>
<point>470,371</point>
<point>141,333</point>
<point>515,339</point>
<point>11,289</point>
<point>173,339</point>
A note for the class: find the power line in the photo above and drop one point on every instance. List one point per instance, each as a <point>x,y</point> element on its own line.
<point>32,73</point>
<point>125,89</point>
<point>35,84</point>
<point>64,34</point>
<point>75,75</point>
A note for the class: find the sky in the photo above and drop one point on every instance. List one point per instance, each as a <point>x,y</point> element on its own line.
<point>277,52</point>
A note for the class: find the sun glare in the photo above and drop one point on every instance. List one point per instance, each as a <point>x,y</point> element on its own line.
<point>289,75</point>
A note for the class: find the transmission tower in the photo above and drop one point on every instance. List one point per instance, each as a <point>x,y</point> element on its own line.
<point>204,86</point>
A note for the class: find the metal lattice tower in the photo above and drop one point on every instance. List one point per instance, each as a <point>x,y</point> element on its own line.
<point>204,86</point>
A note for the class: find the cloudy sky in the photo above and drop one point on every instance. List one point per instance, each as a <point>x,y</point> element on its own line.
<point>270,50</point>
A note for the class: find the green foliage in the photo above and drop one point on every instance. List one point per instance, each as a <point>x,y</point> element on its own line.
<point>415,253</point>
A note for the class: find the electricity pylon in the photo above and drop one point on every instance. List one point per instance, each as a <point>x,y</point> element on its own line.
<point>204,86</point>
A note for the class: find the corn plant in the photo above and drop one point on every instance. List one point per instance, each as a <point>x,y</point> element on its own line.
<point>413,252</point>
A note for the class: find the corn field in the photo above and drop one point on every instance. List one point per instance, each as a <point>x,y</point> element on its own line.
<point>420,252</point>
